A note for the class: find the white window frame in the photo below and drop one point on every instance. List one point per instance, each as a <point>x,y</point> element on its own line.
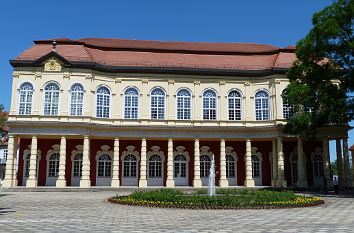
<point>155,151</point>
<point>288,110</point>
<point>74,153</point>
<point>83,100</point>
<point>55,150</point>
<point>216,105</point>
<point>44,99</point>
<point>190,103</point>
<point>105,150</point>
<point>229,151</point>
<point>124,102</point>
<point>261,109</point>
<point>234,109</point>
<point>130,150</point>
<point>26,103</point>
<point>110,102</point>
<point>165,102</point>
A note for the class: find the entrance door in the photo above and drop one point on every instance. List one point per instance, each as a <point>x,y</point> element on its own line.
<point>205,163</point>
<point>317,170</point>
<point>155,167</point>
<point>257,170</point>
<point>104,170</point>
<point>53,169</point>
<point>231,170</point>
<point>180,170</point>
<point>76,170</point>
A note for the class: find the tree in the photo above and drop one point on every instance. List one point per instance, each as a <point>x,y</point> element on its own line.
<point>3,115</point>
<point>321,80</point>
<point>334,167</point>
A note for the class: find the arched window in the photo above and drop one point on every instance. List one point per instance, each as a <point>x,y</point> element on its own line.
<point>77,99</point>
<point>53,165</point>
<point>104,166</point>
<point>318,166</point>
<point>131,101</point>
<point>77,165</point>
<point>25,101</point>
<point>180,163</point>
<point>262,105</point>
<point>234,103</point>
<point>230,166</point>
<point>130,165</point>
<point>256,167</point>
<point>51,99</point>
<point>183,105</point>
<point>103,97</point>
<point>157,104</point>
<point>209,105</point>
<point>205,163</point>
<point>288,110</point>
<point>155,166</point>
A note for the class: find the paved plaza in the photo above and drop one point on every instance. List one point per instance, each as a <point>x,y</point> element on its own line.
<point>89,212</point>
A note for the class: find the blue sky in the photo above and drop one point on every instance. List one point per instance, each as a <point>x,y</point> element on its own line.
<point>276,22</point>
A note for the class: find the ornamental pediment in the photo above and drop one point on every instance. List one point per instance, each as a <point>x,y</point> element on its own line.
<point>52,64</point>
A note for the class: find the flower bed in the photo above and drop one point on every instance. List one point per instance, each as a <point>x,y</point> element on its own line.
<point>225,199</point>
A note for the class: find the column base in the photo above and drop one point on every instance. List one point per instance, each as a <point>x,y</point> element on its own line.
<point>281,183</point>
<point>31,183</point>
<point>274,183</point>
<point>223,183</point>
<point>249,183</point>
<point>8,183</point>
<point>85,183</point>
<point>142,183</point>
<point>197,183</point>
<point>60,183</point>
<point>115,183</point>
<point>170,183</point>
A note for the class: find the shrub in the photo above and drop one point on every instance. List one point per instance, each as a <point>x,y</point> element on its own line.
<point>225,198</point>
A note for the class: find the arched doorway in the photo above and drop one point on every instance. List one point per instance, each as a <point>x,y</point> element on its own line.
<point>257,166</point>
<point>76,159</point>
<point>104,166</point>
<point>53,157</point>
<point>130,158</point>
<point>155,167</point>
<point>231,166</point>
<point>180,168</point>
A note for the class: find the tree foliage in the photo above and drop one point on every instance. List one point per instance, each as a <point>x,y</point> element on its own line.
<point>2,115</point>
<point>322,77</point>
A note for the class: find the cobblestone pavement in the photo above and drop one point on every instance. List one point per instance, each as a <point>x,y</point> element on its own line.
<point>88,211</point>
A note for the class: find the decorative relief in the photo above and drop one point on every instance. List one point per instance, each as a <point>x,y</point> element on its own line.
<point>38,75</point>
<point>117,80</point>
<point>276,81</point>
<point>247,84</point>
<point>171,82</point>
<point>197,82</point>
<point>89,76</point>
<point>222,83</point>
<point>145,81</point>
<point>66,76</point>
<point>15,75</point>
<point>52,65</point>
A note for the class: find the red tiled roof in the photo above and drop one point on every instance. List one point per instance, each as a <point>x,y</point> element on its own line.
<point>352,148</point>
<point>139,53</point>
